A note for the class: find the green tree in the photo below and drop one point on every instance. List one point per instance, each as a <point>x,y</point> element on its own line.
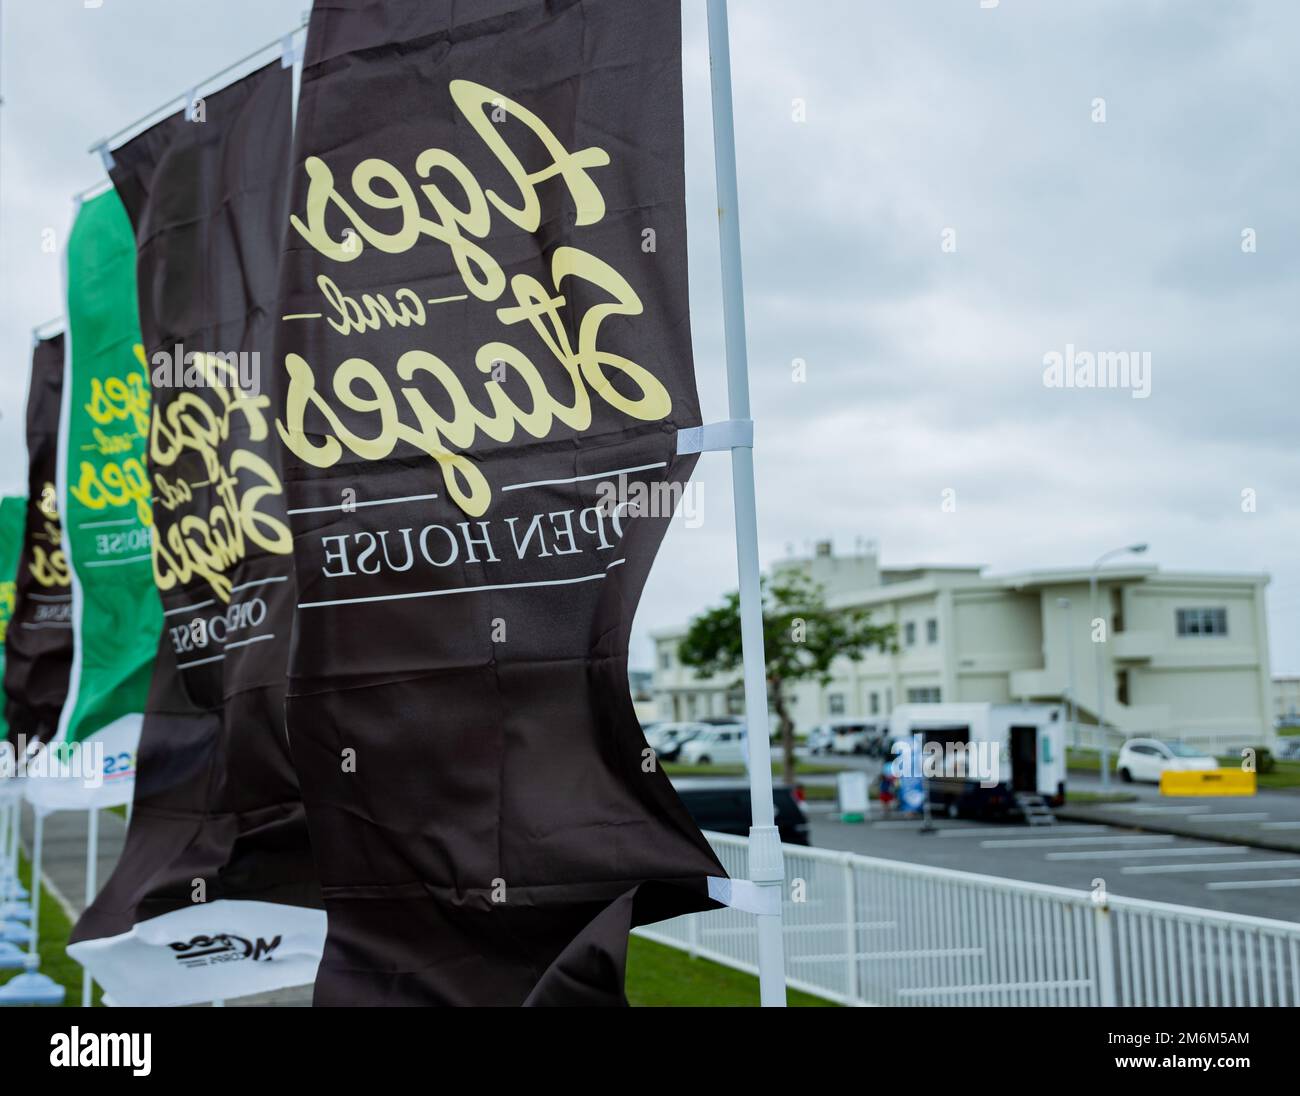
<point>801,638</point>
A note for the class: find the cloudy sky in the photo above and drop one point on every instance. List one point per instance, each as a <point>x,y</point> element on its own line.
<point>923,122</point>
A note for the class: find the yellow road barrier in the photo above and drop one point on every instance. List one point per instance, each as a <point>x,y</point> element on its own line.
<point>1208,782</point>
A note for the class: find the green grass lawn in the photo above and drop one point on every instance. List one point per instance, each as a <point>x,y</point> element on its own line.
<point>663,977</point>
<point>52,944</point>
<point>1285,774</point>
<point>1083,761</point>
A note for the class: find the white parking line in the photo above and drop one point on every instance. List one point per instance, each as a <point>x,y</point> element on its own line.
<point>1279,825</point>
<point>1235,865</point>
<point>1142,808</point>
<point>1243,816</point>
<point>980,831</point>
<point>1016,843</point>
<point>1122,854</point>
<point>1253,884</point>
<point>896,825</point>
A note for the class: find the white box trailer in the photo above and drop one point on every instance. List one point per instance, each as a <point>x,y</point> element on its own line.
<point>1015,750</point>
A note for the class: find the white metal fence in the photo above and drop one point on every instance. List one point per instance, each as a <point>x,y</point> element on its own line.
<point>865,931</point>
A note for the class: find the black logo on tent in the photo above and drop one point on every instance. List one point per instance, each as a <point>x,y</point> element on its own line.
<point>203,951</point>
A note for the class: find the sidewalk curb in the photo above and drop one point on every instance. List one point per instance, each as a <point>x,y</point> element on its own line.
<point>1146,825</point>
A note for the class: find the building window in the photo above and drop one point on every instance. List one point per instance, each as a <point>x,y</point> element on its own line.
<point>835,703</point>
<point>875,703</point>
<point>1121,687</point>
<point>1202,622</point>
<point>909,633</point>
<point>665,660</point>
<point>928,694</point>
<point>932,631</point>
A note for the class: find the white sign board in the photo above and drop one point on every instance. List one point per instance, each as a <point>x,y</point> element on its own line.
<point>853,792</point>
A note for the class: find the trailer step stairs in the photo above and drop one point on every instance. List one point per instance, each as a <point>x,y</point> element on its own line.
<point>1034,809</point>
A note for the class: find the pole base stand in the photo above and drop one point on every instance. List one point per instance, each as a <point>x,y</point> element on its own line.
<point>14,933</point>
<point>11,956</point>
<point>32,988</point>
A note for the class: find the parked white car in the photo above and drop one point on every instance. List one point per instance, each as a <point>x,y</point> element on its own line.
<point>723,745</point>
<point>1144,759</point>
<point>855,736</point>
<point>821,739</point>
<point>667,739</point>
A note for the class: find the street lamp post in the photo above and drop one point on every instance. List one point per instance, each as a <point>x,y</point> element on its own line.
<point>1136,549</point>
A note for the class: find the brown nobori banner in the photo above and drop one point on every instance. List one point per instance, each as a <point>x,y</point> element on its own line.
<point>216,893</point>
<point>485,342</point>
<point>38,643</point>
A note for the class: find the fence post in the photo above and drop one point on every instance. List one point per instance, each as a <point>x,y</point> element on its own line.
<point>1105,956</point>
<point>851,930</point>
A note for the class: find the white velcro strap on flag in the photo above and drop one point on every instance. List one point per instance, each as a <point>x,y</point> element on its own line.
<point>714,436</point>
<point>256,947</point>
<point>107,157</point>
<point>745,895</point>
<point>290,54</point>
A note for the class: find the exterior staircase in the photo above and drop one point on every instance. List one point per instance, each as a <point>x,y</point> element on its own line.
<point>1034,809</point>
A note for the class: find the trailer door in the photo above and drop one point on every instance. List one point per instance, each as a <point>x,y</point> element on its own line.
<point>1024,759</point>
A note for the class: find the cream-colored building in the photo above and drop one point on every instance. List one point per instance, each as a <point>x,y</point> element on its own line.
<point>1182,654</point>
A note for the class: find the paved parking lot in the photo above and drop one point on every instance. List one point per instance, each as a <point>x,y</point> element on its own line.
<point>1161,867</point>
<point>1270,817</point>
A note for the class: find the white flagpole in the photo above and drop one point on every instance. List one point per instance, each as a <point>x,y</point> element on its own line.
<point>92,888</point>
<point>766,864</point>
<point>38,869</point>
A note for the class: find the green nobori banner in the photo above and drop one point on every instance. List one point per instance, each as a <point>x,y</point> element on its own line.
<point>107,518</point>
<point>13,513</point>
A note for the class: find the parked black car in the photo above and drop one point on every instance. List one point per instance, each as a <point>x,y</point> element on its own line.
<point>722,804</point>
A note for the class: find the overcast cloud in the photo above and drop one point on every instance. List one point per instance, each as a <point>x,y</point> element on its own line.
<point>924,367</point>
